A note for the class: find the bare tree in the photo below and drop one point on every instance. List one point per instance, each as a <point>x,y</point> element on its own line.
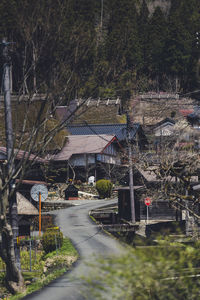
<point>35,128</point>
<point>175,168</point>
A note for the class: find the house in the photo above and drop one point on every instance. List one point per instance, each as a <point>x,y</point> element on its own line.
<point>151,108</point>
<point>20,154</point>
<point>164,128</point>
<point>160,134</point>
<point>86,155</point>
<point>34,163</point>
<point>193,118</point>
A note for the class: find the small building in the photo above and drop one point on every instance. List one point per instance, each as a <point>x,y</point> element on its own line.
<point>194,118</point>
<point>159,210</point>
<point>34,171</point>
<point>84,155</point>
<point>161,134</point>
<point>164,128</point>
<point>26,213</point>
<point>71,192</point>
<point>124,203</point>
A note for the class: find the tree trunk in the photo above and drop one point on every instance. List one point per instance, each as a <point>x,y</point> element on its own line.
<point>34,69</point>
<point>14,280</point>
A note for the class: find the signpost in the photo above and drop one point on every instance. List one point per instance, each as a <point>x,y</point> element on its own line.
<point>147,202</point>
<point>39,192</point>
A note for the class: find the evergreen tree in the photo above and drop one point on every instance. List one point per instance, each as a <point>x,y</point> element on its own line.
<point>157,33</point>
<point>143,31</point>
<point>7,19</point>
<point>122,49</point>
<point>179,61</point>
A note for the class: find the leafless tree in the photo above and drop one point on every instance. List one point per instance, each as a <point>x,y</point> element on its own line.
<point>175,167</point>
<point>35,128</point>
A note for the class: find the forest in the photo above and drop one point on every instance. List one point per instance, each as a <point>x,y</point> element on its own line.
<point>102,48</point>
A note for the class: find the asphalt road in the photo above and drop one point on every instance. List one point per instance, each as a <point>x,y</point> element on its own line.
<point>89,240</point>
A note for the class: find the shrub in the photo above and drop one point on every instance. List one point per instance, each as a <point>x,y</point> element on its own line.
<point>104,188</point>
<point>165,272</point>
<point>51,239</point>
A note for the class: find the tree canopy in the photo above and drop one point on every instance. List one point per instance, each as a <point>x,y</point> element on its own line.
<point>102,48</point>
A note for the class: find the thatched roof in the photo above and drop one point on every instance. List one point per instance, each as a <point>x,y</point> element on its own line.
<point>92,111</point>
<point>153,110</point>
<point>24,206</point>
<point>29,111</point>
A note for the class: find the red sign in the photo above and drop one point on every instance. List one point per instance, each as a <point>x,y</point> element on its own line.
<point>147,201</point>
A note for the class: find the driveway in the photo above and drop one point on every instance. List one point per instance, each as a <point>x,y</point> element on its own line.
<point>89,240</point>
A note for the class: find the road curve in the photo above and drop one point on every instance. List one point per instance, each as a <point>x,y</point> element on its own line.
<point>89,240</point>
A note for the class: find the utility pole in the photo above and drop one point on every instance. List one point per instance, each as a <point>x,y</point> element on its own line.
<point>131,185</point>
<point>9,147</point>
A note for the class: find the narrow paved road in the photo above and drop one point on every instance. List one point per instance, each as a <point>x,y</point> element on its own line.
<point>89,240</point>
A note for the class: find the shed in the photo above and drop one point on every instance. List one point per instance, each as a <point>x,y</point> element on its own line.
<point>25,207</point>
<point>124,203</point>
<point>71,192</point>
<point>26,212</point>
<point>164,128</point>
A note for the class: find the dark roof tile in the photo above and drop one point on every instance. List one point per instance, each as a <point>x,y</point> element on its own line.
<point>119,130</point>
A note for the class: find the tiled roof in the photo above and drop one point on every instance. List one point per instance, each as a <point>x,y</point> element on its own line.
<point>119,130</point>
<point>80,144</point>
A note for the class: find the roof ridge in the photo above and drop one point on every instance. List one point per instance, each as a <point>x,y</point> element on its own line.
<point>103,124</point>
<point>92,135</point>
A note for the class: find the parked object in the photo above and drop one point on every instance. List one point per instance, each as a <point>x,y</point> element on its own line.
<point>91,180</point>
<point>71,192</point>
<point>104,188</point>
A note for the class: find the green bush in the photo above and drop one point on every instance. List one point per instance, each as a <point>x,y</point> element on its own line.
<point>165,272</point>
<point>51,239</point>
<point>104,188</point>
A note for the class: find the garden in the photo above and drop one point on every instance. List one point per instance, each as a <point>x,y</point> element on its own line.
<point>42,260</point>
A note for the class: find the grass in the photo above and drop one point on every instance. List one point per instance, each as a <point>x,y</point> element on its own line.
<point>47,267</point>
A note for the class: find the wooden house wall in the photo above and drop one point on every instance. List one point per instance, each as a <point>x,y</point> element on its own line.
<point>165,130</point>
<point>82,160</point>
<point>111,150</point>
<point>108,159</point>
